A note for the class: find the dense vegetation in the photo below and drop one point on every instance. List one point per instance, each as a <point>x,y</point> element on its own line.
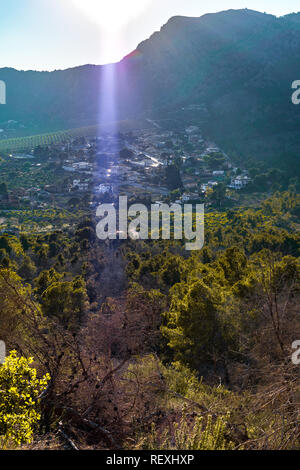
<point>140,345</point>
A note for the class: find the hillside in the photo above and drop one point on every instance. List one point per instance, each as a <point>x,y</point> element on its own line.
<point>149,246</point>
<point>148,348</point>
<point>237,64</point>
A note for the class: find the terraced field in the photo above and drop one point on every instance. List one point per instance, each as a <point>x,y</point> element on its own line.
<point>29,142</point>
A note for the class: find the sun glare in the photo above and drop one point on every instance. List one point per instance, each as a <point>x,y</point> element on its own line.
<point>111,15</point>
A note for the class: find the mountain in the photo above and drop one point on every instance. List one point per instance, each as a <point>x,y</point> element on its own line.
<point>237,65</point>
<point>240,64</point>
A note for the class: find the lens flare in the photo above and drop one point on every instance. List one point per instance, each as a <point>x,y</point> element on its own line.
<point>111,15</point>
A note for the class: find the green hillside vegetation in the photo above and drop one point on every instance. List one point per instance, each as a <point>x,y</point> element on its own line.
<point>147,347</point>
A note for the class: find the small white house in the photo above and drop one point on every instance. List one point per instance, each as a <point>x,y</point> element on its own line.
<point>212,150</point>
<point>104,189</point>
<point>192,129</point>
<point>239,182</point>
<point>68,168</point>
<point>81,166</point>
<point>80,185</point>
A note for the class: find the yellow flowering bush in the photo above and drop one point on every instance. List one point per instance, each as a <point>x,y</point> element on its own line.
<point>19,392</point>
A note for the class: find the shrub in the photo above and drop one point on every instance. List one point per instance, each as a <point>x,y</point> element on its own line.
<point>198,435</point>
<point>19,392</point>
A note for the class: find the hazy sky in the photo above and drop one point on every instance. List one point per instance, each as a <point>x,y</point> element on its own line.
<point>54,34</point>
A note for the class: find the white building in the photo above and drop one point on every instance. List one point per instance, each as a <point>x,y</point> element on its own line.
<point>68,168</point>
<point>81,166</point>
<point>212,150</point>
<point>239,182</point>
<point>104,188</point>
<point>80,185</point>
<point>192,129</point>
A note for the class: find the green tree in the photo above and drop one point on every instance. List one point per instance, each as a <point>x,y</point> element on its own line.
<point>43,255</point>
<point>4,244</point>
<point>171,271</point>
<point>45,279</point>
<point>13,299</point>
<point>218,194</point>
<point>24,242</point>
<point>192,325</point>
<point>234,264</point>
<point>27,269</point>
<point>66,301</point>
<point>3,190</point>
<point>173,178</point>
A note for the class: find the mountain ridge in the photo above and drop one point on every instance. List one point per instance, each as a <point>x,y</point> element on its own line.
<point>239,64</point>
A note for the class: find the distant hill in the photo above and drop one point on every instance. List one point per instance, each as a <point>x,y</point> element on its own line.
<point>238,64</point>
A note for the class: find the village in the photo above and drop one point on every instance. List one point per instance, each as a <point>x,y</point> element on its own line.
<point>149,166</point>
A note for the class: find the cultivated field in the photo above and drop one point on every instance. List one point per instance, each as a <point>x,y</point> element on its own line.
<point>29,142</point>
